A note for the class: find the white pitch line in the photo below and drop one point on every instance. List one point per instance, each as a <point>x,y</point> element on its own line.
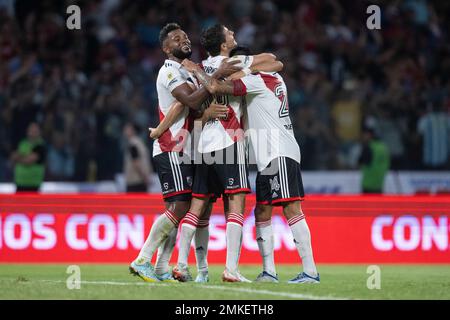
<point>255,291</point>
<point>277,293</point>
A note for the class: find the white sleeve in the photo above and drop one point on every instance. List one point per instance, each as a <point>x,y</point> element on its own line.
<point>253,84</point>
<point>172,78</point>
<point>244,61</point>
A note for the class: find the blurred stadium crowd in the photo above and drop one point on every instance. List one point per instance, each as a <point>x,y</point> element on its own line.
<point>81,86</point>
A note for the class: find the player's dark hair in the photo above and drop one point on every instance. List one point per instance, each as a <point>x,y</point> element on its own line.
<point>240,51</point>
<point>166,30</point>
<point>212,38</point>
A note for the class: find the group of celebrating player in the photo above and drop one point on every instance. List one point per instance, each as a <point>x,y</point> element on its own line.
<point>210,113</point>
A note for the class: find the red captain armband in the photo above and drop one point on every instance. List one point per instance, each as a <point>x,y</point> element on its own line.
<point>239,88</point>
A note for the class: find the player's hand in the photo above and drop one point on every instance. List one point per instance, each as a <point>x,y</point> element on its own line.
<point>228,67</point>
<point>216,111</point>
<point>189,65</point>
<point>154,133</point>
<point>236,75</point>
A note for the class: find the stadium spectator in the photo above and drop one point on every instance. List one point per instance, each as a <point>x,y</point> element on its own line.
<point>375,162</point>
<point>137,166</point>
<point>85,83</point>
<point>29,159</point>
<point>434,129</point>
<point>60,159</point>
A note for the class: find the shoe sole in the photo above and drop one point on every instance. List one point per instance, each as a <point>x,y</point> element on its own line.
<point>230,280</point>
<point>307,282</point>
<point>267,281</point>
<point>169,280</point>
<point>180,277</point>
<point>137,274</point>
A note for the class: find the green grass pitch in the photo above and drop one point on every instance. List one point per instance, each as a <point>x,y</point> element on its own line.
<point>33,281</point>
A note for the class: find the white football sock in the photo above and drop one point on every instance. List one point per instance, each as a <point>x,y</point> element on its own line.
<point>234,240</point>
<point>201,240</point>
<point>159,232</point>
<point>165,253</point>
<point>188,228</point>
<point>264,238</point>
<point>302,240</point>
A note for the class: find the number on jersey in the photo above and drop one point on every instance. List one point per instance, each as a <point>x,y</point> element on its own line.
<point>284,109</point>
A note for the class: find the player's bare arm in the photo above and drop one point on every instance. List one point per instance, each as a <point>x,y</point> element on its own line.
<point>193,99</point>
<point>214,86</point>
<point>177,108</point>
<point>273,66</point>
<point>172,116</point>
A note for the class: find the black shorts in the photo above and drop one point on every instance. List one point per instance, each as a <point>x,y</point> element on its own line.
<point>222,176</point>
<point>281,181</point>
<point>175,173</point>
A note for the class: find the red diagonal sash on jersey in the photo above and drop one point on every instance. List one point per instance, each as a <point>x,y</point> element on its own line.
<point>168,142</point>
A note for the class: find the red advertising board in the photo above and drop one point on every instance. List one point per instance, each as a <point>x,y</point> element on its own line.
<point>112,228</point>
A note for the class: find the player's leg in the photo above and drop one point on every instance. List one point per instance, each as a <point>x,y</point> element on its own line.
<point>174,176</point>
<point>189,226</point>
<point>160,231</point>
<point>264,238</point>
<point>267,188</point>
<point>201,240</point>
<point>293,189</point>
<point>234,178</point>
<point>190,222</point>
<point>165,250</point>
<point>302,239</point>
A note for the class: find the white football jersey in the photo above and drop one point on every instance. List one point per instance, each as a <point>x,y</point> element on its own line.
<point>269,126</point>
<point>218,134</point>
<point>170,76</point>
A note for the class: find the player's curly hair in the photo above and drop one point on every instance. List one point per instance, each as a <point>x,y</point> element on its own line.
<point>211,39</point>
<point>165,31</point>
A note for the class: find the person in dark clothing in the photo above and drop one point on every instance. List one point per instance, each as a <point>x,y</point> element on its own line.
<point>137,167</point>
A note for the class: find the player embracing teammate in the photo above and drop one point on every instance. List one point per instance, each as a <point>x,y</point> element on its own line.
<point>172,153</point>
<point>263,97</point>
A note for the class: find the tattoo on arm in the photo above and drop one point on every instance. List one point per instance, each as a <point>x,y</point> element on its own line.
<point>204,78</point>
<point>212,85</point>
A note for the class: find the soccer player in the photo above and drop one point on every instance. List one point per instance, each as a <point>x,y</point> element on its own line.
<point>171,152</point>
<point>277,155</point>
<point>222,148</point>
<point>201,237</point>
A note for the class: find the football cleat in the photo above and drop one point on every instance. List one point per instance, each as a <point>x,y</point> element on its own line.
<point>266,277</point>
<point>228,276</point>
<point>202,277</point>
<point>166,277</point>
<point>305,278</point>
<point>144,271</point>
<point>182,274</point>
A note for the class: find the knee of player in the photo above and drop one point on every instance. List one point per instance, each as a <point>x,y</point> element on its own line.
<point>263,213</point>
<point>180,208</point>
<point>292,209</point>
